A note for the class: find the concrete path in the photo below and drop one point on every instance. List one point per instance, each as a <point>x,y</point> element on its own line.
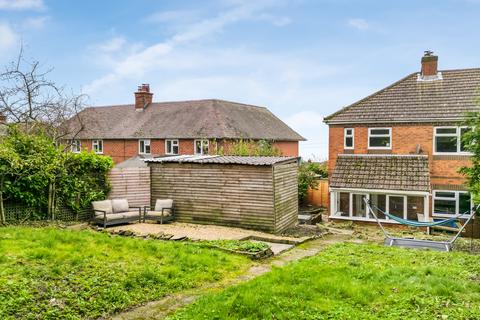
<point>161,308</point>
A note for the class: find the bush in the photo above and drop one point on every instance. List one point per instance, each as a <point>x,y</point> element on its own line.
<point>308,175</point>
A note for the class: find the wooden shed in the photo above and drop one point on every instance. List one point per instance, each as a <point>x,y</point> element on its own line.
<point>249,192</point>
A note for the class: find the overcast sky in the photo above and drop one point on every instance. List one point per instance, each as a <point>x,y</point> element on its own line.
<point>302,59</point>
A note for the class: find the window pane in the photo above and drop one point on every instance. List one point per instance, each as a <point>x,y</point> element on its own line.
<point>348,132</point>
<point>379,142</point>
<point>343,206</point>
<point>198,147</point>
<point>348,142</point>
<point>447,130</point>
<point>415,207</point>
<point>380,201</point>
<point>444,194</point>
<point>446,144</point>
<point>464,204</point>
<point>396,206</point>
<point>358,206</point>
<point>175,149</point>
<point>205,147</point>
<point>462,143</point>
<point>147,148</point>
<point>379,131</point>
<point>444,206</point>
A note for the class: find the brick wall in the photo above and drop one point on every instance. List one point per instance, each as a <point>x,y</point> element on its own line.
<point>123,149</point>
<point>405,139</point>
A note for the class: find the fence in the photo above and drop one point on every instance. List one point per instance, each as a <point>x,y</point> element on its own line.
<point>319,196</point>
<point>16,212</point>
<point>132,184</point>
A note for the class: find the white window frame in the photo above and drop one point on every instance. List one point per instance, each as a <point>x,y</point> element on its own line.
<point>75,146</point>
<point>458,131</point>
<point>173,143</point>
<point>334,194</point>
<point>202,143</point>
<point>97,144</point>
<point>389,135</point>
<point>345,136</point>
<point>146,142</point>
<point>456,199</point>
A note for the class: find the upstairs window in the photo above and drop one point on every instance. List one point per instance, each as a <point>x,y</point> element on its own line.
<point>380,138</point>
<point>97,146</point>
<point>348,138</point>
<point>449,139</point>
<point>171,146</point>
<point>144,146</point>
<point>201,146</point>
<point>75,146</point>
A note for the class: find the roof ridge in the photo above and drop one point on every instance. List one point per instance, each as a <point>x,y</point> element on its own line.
<point>326,119</point>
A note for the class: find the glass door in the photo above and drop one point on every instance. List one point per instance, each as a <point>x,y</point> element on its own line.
<point>396,206</point>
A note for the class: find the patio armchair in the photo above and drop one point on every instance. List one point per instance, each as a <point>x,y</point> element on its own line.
<point>116,211</point>
<point>163,211</point>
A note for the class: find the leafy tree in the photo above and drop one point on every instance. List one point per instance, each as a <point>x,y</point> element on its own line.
<point>470,143</point>
<point>308,175</point>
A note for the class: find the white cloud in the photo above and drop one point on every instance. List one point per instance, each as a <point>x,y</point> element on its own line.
<point>8,38</point>
<point>278,21</point>
<point>360,24</point>
<point>172,16</point>
<point>112,45</point>
<point>35,22</point>
<point>21,5</point>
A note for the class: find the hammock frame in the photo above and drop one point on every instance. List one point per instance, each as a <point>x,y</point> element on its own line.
<point>419,243</point>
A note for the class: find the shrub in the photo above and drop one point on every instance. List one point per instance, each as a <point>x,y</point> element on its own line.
<point>308,175</point>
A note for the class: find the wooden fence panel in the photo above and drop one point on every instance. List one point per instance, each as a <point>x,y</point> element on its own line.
<point>319,196</point>
<point>132,184</point>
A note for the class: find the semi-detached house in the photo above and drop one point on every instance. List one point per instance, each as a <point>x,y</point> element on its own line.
<point>401,147</point>
<point>177,128</point>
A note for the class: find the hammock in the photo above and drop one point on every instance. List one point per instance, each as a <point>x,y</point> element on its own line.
<point>417,243</point>
<point>413,223</point>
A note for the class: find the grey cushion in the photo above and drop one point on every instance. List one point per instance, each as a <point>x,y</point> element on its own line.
<point>131,215</point>
<point>104,205</point>
<point>120,205</point>
<point>166,213</point>
<point>163,203</point>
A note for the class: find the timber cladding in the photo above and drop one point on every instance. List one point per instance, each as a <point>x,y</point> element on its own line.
<point>132,184</point>
<point>261,197</point>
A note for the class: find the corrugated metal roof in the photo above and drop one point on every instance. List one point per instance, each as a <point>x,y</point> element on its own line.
<point>217,159</point>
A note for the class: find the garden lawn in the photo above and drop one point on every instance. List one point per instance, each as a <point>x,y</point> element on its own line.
<point>350,281</point>
<point>50,273</point>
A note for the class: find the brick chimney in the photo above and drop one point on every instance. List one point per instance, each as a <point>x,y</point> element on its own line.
<point>429,64</point>
<point>143,97</point>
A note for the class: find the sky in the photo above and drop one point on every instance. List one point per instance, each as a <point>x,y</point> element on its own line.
<point>303,59</point>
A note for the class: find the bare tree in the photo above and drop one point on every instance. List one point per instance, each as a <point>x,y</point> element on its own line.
<point>29,98</point>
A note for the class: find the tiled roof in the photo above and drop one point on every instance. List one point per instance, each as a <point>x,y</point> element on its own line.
<point>410,100</point>
<point>386,172</point>
<point>184,120</point>
<point>253,161</point>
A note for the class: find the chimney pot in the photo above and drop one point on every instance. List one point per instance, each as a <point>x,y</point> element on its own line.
<point>143,97</point>
<point>429,64</point>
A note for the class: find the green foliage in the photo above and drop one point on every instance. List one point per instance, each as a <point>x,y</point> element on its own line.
<point>37,172</point>
<point>250,148</point>
<point>470,142</point>
<point>48,273</point>
<point>308,175</point>
<point>351,281</point>
<point>237,245</point>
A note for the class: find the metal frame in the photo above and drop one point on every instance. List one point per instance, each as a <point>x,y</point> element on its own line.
<point>163,218</point>
<point>418,243</point>
<point>121,220</point>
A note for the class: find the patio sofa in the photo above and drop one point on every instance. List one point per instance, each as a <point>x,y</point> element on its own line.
<point>116,211</point>
<point>163,211</point>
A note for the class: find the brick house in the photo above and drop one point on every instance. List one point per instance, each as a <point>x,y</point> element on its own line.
<point>173,128</point>
<point>401,147</point>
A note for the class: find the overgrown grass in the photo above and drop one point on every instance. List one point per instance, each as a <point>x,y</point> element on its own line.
<point>237,245</point>
<point>349,281</point>
<point>49,273</point>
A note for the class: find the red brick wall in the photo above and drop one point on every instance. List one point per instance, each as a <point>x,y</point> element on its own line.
<point>405,138</point>
<point>121,149</point>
